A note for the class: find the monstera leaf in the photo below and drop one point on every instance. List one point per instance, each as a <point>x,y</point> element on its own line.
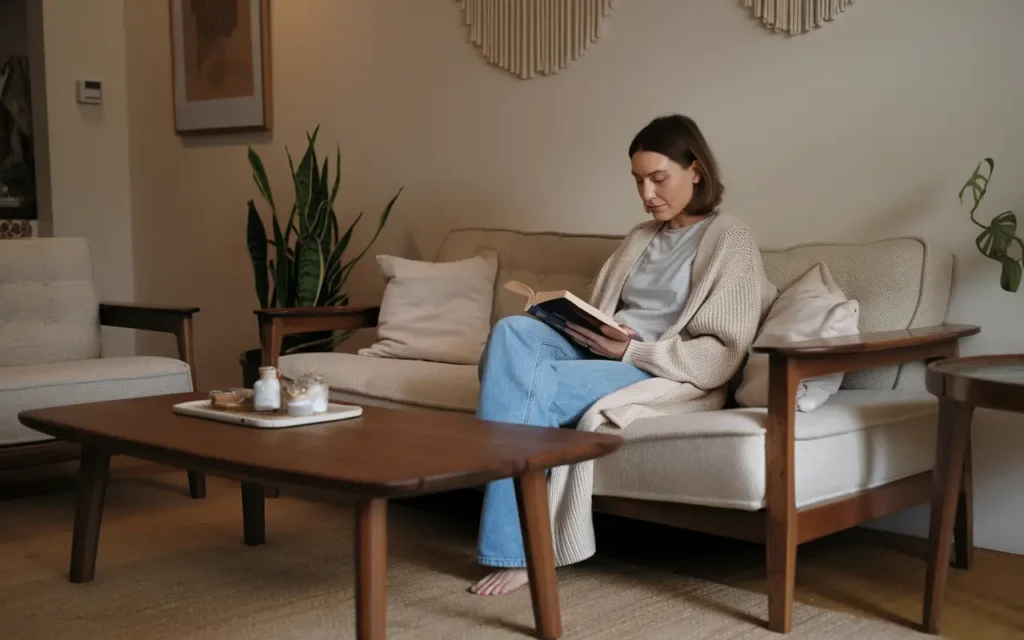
<point>998,239</point>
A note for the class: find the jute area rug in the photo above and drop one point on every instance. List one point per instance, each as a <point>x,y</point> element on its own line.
<point>171,567</point>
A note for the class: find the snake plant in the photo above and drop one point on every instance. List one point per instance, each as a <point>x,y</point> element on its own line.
<point>998,240</point>
<point>303,263</point>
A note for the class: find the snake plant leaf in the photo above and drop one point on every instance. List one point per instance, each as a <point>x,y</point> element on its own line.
<point>334,194</point>
<point>324,211</point>
<point>334,265</point>
<point>303,180</point>
<point>322,195</point>
<point>273,294</point>
<point>338,300</point>
<point>256,238</point>
<point>291,216</point>
<point>319,225</point>
<point>347,269</point>
<point>281,272</point>
<point>337,177</point>
<point>259,175</point>
<point>310,274</point>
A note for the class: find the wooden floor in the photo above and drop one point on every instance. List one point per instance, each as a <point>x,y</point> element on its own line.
<point>864,572</point>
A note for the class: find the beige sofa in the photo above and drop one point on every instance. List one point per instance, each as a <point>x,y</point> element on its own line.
<point>50,320</point>
<point>769,475</point>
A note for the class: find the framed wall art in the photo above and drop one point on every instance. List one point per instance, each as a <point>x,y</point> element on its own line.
<point>220,62</point>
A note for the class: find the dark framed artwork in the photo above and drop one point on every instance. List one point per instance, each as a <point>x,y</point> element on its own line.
<point>220,65</point>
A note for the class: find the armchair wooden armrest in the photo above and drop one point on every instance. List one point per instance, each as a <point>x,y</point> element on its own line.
<point>176,320</point>
<point>276,323</point>
<point>789,363</point>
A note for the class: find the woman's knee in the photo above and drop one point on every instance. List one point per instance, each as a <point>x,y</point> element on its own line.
<point>514,327</point>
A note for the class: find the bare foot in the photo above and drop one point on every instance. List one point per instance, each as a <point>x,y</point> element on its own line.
<point>501,582</point>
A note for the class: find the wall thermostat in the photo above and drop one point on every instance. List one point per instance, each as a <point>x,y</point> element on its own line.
<point>89,92</point>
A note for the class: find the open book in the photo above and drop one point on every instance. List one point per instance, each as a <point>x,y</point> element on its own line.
<point>555,308</point>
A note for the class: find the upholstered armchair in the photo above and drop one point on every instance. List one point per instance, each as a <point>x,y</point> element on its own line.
<point>50,319</point>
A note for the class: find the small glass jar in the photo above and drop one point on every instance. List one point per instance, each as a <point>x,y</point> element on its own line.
<point>318,393</point>
<point>302,406</point>
<point>267,390</point>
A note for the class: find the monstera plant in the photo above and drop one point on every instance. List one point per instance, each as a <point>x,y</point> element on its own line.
<point>998,240</point>
<point>304,260</point>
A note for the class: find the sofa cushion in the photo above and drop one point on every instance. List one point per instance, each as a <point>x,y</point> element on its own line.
<point>49,309</point>
<point>436,311</point>
<point>857,440</point>
<point>36,386</point>
<point>364,379</point>
<point>898,283</point>
<point>812,308</point>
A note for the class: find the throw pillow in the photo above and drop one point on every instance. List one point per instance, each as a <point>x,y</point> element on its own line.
<point>813,307</point>
<point>436,311</point>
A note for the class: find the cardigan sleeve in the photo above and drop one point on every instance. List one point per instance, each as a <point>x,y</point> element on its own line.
<point>720,332</point>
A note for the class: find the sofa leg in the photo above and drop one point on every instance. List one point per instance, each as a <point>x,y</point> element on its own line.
<point>196,484</point>
<point>781,562</point>
<point>963,526</point>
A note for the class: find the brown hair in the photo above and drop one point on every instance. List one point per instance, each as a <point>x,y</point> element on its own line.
<point>678,138</point>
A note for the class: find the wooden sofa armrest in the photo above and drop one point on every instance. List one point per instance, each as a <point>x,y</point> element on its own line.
<point>789,363</point>
<point>176,320</point>
<point>868,350</point>
<point>276,323</point>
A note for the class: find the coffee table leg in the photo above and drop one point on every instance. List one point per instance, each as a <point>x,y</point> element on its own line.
<point>532,497</point>
<point>954,433</point>
<point>196,484</point>
<point>371,555</point>
<point>253,519</point>
<point>93,470</point>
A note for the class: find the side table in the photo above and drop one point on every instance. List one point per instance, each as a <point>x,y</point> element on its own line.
<point>961,384</point>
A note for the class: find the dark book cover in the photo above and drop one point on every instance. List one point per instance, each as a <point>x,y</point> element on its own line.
<point>555,313</point>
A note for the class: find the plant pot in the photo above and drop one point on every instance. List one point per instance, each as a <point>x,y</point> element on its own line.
<point>250,360</point>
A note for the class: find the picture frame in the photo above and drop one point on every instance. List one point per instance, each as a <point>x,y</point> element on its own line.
<point>220,66</point>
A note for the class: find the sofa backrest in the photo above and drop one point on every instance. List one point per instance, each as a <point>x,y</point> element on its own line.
<point>543,261</point>
<point>49,308</point>
<point>899,282</point>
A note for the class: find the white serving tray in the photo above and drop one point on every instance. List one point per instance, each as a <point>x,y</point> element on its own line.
<point>266,419</point>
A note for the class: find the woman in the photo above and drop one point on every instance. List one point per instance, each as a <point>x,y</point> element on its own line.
<point>689,289</point>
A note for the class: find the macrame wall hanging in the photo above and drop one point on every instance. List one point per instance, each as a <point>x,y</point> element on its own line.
<point>530,37</point>
<point>796,16</point>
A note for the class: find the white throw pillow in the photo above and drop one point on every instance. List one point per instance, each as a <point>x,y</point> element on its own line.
<point>811,308</point>
<point>435,311</point>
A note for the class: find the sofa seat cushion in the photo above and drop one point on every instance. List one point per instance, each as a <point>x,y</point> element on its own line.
<point>389,382</point>
<point>36,386</point>
<point>857,440</point>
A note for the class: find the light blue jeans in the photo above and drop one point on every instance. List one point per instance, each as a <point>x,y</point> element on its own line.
<point>531,374</point>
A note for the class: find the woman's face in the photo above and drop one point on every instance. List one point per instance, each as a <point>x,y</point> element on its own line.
<point>664,186</point>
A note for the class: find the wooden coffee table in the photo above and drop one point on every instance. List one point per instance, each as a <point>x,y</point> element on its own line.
<point>382,454</point>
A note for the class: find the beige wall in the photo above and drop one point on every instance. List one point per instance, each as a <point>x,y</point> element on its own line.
<point>87,145</point>
<point>866,128</point>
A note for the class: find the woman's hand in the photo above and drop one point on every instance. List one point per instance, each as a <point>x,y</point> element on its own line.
<point>607,344</point>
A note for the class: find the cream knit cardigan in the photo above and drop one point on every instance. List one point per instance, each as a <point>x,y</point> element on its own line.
<point>693,361</point>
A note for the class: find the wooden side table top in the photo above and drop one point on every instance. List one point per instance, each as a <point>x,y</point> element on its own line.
<point>384,452</point>
<point>992,381</point>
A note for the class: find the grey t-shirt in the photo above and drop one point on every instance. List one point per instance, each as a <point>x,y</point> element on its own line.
<point>656,289</point>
